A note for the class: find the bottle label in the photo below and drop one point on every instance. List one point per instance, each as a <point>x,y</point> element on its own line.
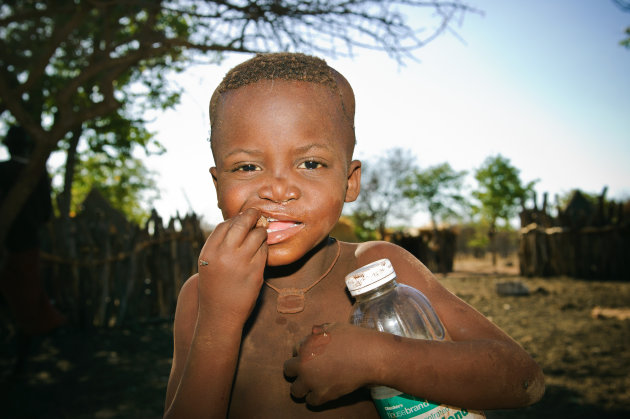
<point>405,406</point>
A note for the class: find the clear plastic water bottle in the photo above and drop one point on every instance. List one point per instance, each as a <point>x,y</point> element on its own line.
<point>387,306</point>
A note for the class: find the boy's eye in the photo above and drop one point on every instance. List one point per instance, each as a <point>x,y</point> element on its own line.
<point>310,165</point>
<point>246,168</point>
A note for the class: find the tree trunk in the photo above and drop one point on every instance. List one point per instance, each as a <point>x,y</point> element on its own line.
<point>64,201</point>
<point>493,248</point>
<point>381,230</point>
<point>437,246</point>
<point>24,186</point>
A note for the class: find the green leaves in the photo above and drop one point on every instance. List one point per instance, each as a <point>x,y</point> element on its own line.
<point>437,189</point>
<point>94,68</point>
<point>125,182</point>
<point>393,187</point>
<point>500,191</point>
<point>381,197</point>
<point>626,42</point>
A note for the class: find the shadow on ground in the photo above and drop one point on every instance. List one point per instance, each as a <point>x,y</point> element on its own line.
<point>100,374</point>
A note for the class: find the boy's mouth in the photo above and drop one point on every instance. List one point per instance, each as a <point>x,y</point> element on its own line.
<point>278,230</point>
<point>273,224</point>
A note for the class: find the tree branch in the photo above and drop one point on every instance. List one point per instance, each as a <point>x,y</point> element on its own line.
<point>60,33</point>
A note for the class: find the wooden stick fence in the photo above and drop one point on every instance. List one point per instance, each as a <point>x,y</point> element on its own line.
<point>103,271</point>
<point>436,249</point>
<point>584,240</point>
<point>590,252</point>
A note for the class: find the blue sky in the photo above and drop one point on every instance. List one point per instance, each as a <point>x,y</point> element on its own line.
<point>545,83</point>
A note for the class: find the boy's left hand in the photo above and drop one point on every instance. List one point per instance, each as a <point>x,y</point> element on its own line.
<point>331,362</point>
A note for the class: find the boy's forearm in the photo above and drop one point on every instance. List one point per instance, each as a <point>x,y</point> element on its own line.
<point>489,374</point>
<point>204,389</point>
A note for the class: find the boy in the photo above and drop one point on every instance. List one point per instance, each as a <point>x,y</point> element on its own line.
<point>262,330</point>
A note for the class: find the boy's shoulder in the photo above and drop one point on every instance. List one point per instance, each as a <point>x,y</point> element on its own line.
<point>187,299</point>
<point>370,251</point>
<point>409,269</point>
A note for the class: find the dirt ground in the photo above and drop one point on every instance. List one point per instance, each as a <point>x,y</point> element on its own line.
<point>122,373</point>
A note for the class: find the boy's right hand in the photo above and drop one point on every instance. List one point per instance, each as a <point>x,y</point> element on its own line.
<point>334,360</point>
<point>229,284</point>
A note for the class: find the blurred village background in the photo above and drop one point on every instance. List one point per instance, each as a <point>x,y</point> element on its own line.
<point>87,81</point>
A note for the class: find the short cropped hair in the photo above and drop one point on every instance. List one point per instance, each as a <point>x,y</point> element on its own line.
<point>284,66</point>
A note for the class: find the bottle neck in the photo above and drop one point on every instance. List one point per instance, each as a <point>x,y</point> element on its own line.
<point>378,291</point>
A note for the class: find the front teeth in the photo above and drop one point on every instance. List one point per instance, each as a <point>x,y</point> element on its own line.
<point>269,220</point>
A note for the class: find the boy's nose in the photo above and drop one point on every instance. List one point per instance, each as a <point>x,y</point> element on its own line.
<point>278,189</point>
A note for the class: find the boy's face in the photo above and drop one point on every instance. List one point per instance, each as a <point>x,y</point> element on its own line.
<point>285,148</point>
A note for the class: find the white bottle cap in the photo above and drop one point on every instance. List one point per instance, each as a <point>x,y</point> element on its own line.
<point>369,277</point>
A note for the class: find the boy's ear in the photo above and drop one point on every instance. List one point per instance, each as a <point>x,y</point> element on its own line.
<point>354,181</point>
<point>213,173</point>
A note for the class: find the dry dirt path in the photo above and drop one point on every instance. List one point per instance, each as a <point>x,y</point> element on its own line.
<point>585,355</point>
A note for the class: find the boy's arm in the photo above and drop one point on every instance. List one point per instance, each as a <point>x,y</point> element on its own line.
<point>485,366</point>
<point>204,361</point>
<point>212,308</point>
<point>481,368</point>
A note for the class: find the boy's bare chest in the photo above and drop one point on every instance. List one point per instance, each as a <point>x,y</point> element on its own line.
<point>260,388</point>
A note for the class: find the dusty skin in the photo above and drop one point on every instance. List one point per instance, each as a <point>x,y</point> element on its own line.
<point>122,373</point>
